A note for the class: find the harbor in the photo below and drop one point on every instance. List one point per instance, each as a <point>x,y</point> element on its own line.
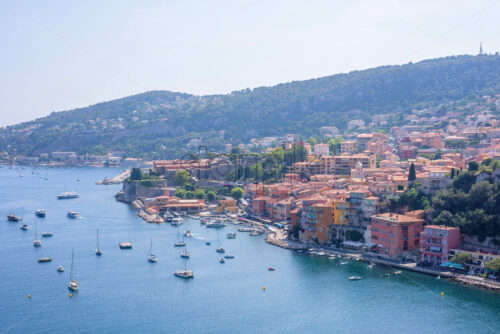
<point>124,282</point>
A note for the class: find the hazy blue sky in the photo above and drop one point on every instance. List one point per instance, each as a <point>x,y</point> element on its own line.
<point>58,55</point>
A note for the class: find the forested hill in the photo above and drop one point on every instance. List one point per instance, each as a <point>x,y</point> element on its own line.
<point>160,123</point>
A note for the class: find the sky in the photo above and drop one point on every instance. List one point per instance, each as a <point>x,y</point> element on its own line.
<point>59,55</point>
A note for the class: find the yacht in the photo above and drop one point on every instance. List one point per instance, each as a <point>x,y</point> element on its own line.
<point>231,235</point>
<point>24,227</point>
<point>73,285</point>
<point>67,195</point>
<point>73,214</point>
<point>47,234</point>
<point>151,257</point>
<point>13,218</point>
<point>98,251</point>
<point>60,269</point>
<point>36,242</point>
<point>40,213</point>
<point>215,224</point>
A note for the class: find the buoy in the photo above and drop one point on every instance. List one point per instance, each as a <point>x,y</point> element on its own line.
<point>442,293</point>
<point>29,296</point>
<point>264,288</point>
<point>70,295</point>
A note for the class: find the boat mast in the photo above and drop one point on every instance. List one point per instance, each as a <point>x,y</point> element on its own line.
<point>35,230</point>
<point>71,272</point>
<point>97,238</point>
<point>151,247</point>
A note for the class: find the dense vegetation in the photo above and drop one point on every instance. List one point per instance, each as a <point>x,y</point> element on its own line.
<point>162,124</point>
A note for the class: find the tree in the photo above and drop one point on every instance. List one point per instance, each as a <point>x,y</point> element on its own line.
<point>181,193</point>
<point>493,265</point>
<point>189,194</point>
<point>444,218</point>
<point>199,194</point>
<point>452,175</point>
<point>211,196</point>
<point>462,258</point>
<point>236,150</point>
<point>136,174</point>
<point>237,193</point>
<point>473,166</point>
<point>412,176</point>
<point>181,177</point>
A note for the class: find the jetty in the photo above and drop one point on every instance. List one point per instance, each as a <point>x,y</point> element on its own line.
<point>115,180</point>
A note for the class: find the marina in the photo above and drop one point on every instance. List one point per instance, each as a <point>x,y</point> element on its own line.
<point>124,283</point>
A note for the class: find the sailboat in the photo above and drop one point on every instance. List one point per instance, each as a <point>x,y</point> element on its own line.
<point>98,251</point>
<point>152,257</point>
<point>73,285</point>
<point>220,249</point>
<point>36,242</point>
<point>184,273</point>
<point>185,254</point>
<point>179,243</point>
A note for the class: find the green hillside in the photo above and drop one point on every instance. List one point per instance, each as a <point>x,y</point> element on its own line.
<point>159,124</point>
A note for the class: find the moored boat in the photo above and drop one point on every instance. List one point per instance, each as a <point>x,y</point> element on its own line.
<point>354,278</point>
<point>67,195</point>
<point>151,257</point>
<point>24,227</point>
<point>40,213</point>
<point>13,218</point>
<point>222,260</point>
<point>231,235</point>
<point>73,284</point>
<point>125,245</point>
<point>44,259</point>
<point>47,234</point>
<point>60,269</point>
<point>73,214</point>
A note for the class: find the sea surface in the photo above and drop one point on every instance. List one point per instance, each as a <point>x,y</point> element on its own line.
<point>121,292</point>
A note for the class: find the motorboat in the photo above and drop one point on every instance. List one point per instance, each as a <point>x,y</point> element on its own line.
<point>398,272</point>
<point>126,245</point>
<point>44,259</point>
<point>24,227</point>
<point>40,213</point>
<point>188,234</point>
<point>73,284</point>
<point>222,260</point>
<point>231,235</point>
<point>354,278</point>
<point>67,195</point>
<point>47,234</point>
<point>220,250</point>
<point>343,263</point>
<point>13,218</point>
<point>73,214</point>
<point>60,269</point>
<point>184,273</point>
<point>271,269</point>
<point>229,256</point>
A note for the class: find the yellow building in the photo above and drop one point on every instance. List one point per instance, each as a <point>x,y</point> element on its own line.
<point>227,205</point>
<point>341,212</point>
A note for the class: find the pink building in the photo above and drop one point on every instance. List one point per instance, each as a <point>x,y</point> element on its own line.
<point>436,243</point>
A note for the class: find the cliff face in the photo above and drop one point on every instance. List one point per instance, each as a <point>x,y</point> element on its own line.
<point>134,190</point>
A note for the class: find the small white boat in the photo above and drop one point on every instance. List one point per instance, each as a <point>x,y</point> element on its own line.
<point>125,245</point>
<point>245,229</point>
<point>188,234</point>
<point>215,224</point>
<point>343,263</point>
<point>398,272</point>
<point>60,269</point>
<point>40,213</point>
<point>354,278</point>
<point>24,227</point>
<point>184,273</point>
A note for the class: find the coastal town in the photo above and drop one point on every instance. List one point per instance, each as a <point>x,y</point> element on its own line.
<point>368,193</point>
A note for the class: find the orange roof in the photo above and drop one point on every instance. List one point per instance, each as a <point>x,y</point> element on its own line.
<point>397,218</point>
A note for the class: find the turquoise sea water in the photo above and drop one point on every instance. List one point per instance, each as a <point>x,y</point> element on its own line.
<point>121,292</point>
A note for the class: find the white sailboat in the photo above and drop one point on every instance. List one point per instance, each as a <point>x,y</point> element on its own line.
<point>98,251</point>
<point>36,242</point>
<point>185,254</point>
<point>151,257</point>
<point>186,273</point>
<point>73,284</point>
<point>179,243</point>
